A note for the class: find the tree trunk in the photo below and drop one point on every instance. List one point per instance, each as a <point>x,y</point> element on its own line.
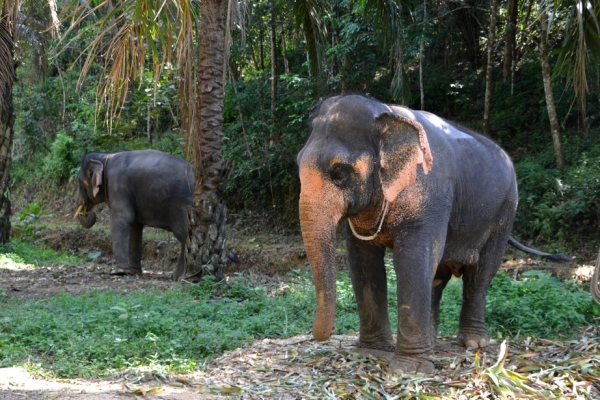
<point>7,120</point>
<point>274,139</point>
<point>234,79</point>
<point>286,62</point>
<point>488,73</point>
<point>421,55</point>
<point>261,53</point>
<point>546,76</point>
<point>206,246</point>
<point>149,122</point>
<point>511,33</point>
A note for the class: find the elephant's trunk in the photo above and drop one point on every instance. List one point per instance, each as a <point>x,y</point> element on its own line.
<point>88,220</point>
<point>320,212</point>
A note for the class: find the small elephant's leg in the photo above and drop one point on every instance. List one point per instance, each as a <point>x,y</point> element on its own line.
<point>180,269</point>
<point>472,332</point>
<point>120,235</point>
<point>179,228</point>
<point>442,276</point>
<point>135,246</point>
<point>367,272</point>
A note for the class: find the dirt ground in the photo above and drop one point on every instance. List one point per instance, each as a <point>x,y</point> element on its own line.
<point>268,364</point>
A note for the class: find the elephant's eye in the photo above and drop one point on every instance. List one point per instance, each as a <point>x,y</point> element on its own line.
<point>339,173</point>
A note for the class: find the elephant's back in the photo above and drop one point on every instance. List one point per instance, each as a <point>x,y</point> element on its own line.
<point>166,175</point>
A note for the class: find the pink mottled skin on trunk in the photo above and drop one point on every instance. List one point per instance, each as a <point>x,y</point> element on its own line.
<point>321,208</point>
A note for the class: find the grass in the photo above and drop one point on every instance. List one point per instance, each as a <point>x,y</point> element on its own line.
<point>23,252</point>
<point>99,332</point>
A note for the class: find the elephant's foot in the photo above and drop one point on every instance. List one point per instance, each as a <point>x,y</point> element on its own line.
<point>125,272</point>
<point>472,340</point>
<point>380,351</point>
<point>406,363</point>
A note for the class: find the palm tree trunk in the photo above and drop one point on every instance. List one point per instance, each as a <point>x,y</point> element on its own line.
<point>489,69</point>
<point>546,76</point>
<point>7,120</point>
<point>206,247</point>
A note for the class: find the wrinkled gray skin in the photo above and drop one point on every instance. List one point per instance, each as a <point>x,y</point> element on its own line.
<point>452,200</point>
<point>145,187</point>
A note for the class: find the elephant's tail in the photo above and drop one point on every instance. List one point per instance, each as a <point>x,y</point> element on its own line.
<point>233,257</point>
<point>560,257</point>
<point>595,283</point>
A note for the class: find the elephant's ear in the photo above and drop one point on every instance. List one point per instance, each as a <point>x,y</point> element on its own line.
<point>96,170</point>
<point>403,146</point>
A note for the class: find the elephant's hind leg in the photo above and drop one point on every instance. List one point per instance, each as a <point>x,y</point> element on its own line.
<point>472,332</point>
<point>442,276</point>
<point>135,247</point>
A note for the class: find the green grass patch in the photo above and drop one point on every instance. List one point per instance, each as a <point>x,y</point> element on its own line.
<point>535,305</point>
<point>24,252</point>
<point>99,332</point>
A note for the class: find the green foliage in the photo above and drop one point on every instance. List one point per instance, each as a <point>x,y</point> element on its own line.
<point>30,214</point>
<point>98,332</point>
<point>63,161</point>
<point>266,172</point>
<point>555,204</point>
<point>538,305</point>
<point>24,252</point>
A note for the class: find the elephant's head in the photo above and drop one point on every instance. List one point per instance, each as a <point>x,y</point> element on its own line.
<point>359,153</point>
<point>90,188</point>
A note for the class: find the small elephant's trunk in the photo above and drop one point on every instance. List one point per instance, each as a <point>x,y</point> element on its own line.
<point>88,220</point>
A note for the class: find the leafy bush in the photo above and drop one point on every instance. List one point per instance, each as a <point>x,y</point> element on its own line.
<point>538,305</point>
<point>557,205</point>
<point>63,160</point>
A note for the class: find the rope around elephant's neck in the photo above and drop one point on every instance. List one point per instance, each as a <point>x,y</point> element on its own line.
<point>361,237</point>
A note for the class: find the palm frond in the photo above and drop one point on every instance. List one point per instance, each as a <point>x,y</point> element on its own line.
<point>132,34</point>
<point>310,16</point>
<point>388,20</point>
<point>581,40</point>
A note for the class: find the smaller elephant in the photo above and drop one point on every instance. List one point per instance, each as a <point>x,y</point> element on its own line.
<point>143,187</point>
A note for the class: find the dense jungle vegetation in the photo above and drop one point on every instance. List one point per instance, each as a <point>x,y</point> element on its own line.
<point>438,62</point>
<point>109,76</point>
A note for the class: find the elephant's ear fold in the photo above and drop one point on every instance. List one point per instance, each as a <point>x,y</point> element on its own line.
<point>403,146</point>
<point>96,170</point>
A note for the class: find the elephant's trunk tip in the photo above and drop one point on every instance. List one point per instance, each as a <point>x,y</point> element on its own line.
<point>322,335</point>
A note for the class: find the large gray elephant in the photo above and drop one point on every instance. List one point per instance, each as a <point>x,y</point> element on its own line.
<point>144,187</point>
<point>441,197</point>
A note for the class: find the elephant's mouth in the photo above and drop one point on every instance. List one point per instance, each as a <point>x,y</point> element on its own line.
<point>85,216</point>
<point>82,211</point>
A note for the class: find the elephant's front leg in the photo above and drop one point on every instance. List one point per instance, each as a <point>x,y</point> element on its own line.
<point>367,272</point>
<point>413,262</point>
<point>120,231</point>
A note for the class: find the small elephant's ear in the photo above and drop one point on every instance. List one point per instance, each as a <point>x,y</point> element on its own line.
<point>403,146</point>
<point>96,175</point>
